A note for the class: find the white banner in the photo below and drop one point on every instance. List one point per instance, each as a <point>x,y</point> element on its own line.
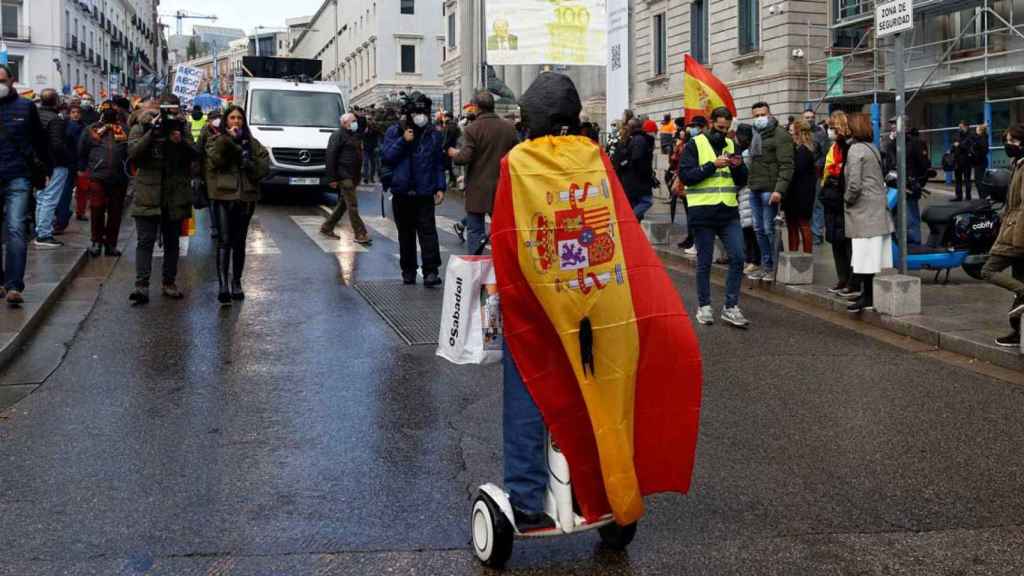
<point>186,84</point>
<point>536,32</point>
<point>617,96</point>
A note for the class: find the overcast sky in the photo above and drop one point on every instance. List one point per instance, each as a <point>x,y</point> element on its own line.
<point>246,14</point>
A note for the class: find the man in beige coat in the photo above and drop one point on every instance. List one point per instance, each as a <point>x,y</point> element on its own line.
<point>485,143</point>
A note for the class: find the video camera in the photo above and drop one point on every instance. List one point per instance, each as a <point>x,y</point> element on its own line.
<point>169,120</point>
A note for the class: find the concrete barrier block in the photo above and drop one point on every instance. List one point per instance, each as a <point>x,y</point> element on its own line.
<point>897,295</point>
<point>657,232</point>
<point>795,268</point>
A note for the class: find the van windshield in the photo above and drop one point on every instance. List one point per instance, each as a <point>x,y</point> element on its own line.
<point>288,108</point>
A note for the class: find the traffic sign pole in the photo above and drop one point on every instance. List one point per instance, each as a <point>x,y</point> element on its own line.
<point>901,148</point>
<point>896,17</point>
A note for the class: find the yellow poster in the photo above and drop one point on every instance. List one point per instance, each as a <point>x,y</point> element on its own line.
<point>537,32</point>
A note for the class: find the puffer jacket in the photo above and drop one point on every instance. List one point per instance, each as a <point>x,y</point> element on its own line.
<point>56,132</point>
<point>417,167</point>
<point>1010,242</point>
<point>230,176</point>
<point>103,154</point>
<point>746,212</point>
<point>163,184</point>
<point>772,169</point>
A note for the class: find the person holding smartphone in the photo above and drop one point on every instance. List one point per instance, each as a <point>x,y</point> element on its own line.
<point>713,173</point>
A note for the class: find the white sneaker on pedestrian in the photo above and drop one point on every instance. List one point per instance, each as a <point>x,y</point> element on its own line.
<point>691,251</point>
<point>705,315</point>
<point>751,268</point>
<point>733,316</point>
<point>757,274</point>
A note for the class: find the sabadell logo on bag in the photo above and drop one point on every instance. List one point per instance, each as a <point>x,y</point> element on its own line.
<point>455,315</point>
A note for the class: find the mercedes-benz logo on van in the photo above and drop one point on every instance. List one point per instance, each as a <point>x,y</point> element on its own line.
<point>305,156</point>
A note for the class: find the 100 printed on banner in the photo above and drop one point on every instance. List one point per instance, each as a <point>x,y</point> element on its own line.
<point>536,32</point>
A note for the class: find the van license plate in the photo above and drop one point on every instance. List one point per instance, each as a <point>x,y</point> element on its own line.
<point>295,181</point>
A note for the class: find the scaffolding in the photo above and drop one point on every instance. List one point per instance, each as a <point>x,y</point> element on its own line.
<point>979,46</point>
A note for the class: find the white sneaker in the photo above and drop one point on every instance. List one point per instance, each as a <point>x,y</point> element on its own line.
<point>691,251</point>
<point>705,315</point>
<point>735,317</point>
<point>750,269</point>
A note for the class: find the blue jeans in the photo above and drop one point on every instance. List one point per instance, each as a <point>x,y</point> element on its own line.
<point>913,220</point>
<point>642,205</point>
<point>63,213</point>
<point>15,215</point>
<point>46,202</point>
<point>371,162</point>
<point>476,231</point>
<point>731,234</point>
<point>764,225</point>
<point>818,216</point>
<point>526,466</point>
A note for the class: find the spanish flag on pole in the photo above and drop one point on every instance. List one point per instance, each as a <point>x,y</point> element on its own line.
<point>702,92</point>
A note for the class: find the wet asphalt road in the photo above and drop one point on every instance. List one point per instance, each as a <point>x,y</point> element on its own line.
<point>297,433</point>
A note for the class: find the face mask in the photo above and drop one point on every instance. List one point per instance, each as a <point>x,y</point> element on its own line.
<point>761,122</point>
<point>694,132</point>
<point>420,120</point>
<point>353,127</point>
<point>716,137</point>
<point>215,122</point>
<point>1013,150</point>
<point>463,122</point>
<point>831,134</point>
<point>5,90</point>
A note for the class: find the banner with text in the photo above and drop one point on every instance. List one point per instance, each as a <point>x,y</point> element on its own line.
<point>617,77</point>
<point>186,84</point>
<point>536,32</point>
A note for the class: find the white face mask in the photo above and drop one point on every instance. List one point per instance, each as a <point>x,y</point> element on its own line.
<point>215,122</point>
<point>353,127</point>
<point>761,122</point>
<point>831,134</point>
<point>5,90</point>
<point>420,120</point>
<point>463,122</point>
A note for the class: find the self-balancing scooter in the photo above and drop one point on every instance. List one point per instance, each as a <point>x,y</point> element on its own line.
<point>494,527</point>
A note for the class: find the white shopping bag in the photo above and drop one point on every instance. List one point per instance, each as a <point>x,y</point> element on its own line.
<point>469,333</point>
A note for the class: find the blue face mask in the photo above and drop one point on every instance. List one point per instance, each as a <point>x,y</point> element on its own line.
<point>695,132</point>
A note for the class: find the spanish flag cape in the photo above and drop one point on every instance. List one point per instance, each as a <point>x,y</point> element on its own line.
<point>595,326</point>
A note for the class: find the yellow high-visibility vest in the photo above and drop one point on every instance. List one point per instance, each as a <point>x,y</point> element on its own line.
<point>197,127</point>
<point>717,189</point>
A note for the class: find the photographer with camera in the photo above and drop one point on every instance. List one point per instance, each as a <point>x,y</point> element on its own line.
<point>414,151</point>
<point>102,153</point>
<point>235,164</point>
<point>162,149</point>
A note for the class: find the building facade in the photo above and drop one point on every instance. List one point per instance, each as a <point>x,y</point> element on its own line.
<point>105,46</point>
<point>964,62</point>
<point>379,48</point>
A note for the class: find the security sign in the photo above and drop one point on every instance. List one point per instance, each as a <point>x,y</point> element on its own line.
<point>894,17</point>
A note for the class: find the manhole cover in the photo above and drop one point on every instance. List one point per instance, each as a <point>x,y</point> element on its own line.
<point>413,311</point>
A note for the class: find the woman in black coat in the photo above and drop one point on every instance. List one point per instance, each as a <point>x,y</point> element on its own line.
<point>833,189</point>
<point>798,203</point>
<point>636,168</point>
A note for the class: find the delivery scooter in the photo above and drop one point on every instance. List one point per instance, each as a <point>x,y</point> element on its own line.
<point>494,527</point>
<point>960,233</point>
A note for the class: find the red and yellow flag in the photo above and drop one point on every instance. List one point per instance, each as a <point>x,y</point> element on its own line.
<point>595,326</point>
<point>703,92</point>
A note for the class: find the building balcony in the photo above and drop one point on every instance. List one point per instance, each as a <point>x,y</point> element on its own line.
<point>17,33</point>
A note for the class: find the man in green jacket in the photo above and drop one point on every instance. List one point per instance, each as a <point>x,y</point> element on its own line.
<point>161,147</point>
<point>771,170</point>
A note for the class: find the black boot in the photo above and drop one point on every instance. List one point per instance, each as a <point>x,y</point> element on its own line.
<point>223,274</point>
<point>238,266</point>
<point>95,250</point>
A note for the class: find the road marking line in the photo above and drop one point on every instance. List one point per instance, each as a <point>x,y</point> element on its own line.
<point>310,225</point>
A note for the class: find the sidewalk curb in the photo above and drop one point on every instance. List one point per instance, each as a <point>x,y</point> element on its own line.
<point>37,317</point>
<point>948,340</point>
